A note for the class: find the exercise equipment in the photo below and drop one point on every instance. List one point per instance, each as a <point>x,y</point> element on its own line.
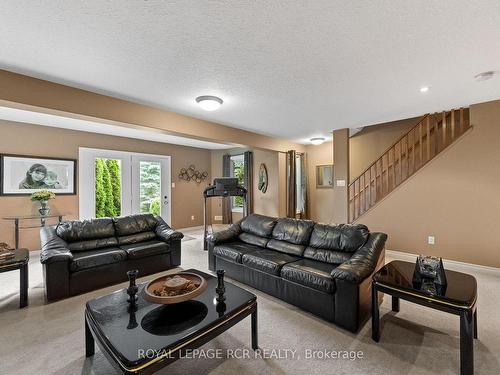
<point>225,187</point>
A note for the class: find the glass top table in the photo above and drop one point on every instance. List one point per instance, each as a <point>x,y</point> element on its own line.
<point>153,335</point>
<point>17,218</point>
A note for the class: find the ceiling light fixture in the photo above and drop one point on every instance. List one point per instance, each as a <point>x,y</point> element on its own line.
<point>317,140</point>
<point>484,76</point>
<point>209,103</point>
<point>424,89</point>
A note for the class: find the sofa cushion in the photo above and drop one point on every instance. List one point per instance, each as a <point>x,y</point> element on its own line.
<point>310,273</point>
<point>286,247</point>
<point>89,259</point>
<point>72,231</point>
<point>145,249</point>
<point>259,225</point>
<point>293,230</point>
<point>134,224</point>
<point>268,261</point>
<point>326,255</point>
<point>253,239</point>
<point>234,251</point>
<point>136,238</point>
<point>87,245</point>
<point>342,237</point>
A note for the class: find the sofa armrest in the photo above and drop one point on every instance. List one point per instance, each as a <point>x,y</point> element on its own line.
<point>225,235</point>
<point>54,248</point>
<point>165,233</point>
<point>363,262</point>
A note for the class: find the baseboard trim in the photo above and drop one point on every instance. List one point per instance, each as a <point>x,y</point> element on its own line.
<point>451,264</point>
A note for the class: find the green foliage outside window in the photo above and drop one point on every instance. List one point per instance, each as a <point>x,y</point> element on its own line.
<point>150,187</point>
<point>107,188</point>
<point>239,173</point>
<point>115,175</point>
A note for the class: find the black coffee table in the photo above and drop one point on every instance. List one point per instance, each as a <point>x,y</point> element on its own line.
<point>458,297</point>
<point>19,262</point>
<point>153,336</point>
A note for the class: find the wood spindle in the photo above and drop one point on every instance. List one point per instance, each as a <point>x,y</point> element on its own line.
<point>443,120</point>
<point>428,136</point>
<point>452,125</point>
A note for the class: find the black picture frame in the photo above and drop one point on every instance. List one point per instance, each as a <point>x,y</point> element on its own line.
<point>3,158</point>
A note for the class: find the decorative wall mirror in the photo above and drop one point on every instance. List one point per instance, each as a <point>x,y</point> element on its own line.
<point>324,176</point>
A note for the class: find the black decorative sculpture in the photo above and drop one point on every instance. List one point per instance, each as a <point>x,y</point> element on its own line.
<point>221,289</point>
<point>132,288</point>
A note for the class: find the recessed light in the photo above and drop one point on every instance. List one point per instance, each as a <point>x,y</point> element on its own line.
<point>424,89</point>
<point>317,140</point>
<point>209,102</point>
<point>484,76</point>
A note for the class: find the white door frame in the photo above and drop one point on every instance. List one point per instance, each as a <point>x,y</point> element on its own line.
<point>86,172</point>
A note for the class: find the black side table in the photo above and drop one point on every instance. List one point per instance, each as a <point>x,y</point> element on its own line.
<point>458,297</point>
<point>19,262</point>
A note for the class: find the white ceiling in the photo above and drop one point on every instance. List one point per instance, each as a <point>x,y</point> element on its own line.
<point>293,69</point>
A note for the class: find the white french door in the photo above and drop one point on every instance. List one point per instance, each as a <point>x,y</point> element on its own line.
<point>117,183</point>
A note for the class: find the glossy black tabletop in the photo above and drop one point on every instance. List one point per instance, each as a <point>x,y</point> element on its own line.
<point>160,327</point>
<point>461,289</point>
<point>20,258</point>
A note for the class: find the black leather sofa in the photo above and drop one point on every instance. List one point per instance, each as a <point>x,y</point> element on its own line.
<point>324,269</point>
<point>79,256</point>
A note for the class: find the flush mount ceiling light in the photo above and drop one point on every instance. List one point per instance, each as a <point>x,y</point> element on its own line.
<point>209,102</point>
<point>484,76</point>
<point>424,89</point>
<point>317,140</point>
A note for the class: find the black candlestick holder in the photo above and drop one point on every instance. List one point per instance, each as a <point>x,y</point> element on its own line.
<point>132,288</point>
<point>221,289</point>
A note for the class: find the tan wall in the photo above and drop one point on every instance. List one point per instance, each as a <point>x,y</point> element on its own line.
<point>320,199</point>
<point>369,144</point>
<point>20,91</point>
<point>16,138</point>
<point>265,204</point>
<point>454,198</point>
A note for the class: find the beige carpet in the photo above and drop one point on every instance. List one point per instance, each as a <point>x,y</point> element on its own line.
<point>49,339</point>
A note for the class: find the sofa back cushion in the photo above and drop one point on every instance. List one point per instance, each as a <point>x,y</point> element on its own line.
<point>335,243</point>
<point>252,239</point>
<point>99,243</point>
<point>133,224</point>
<point>291,236</point>
<point>258,225</point>
<point>76,231</point>
<point>294,231</point>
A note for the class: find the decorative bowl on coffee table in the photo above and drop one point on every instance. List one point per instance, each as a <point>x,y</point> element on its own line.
<point>174,283</point>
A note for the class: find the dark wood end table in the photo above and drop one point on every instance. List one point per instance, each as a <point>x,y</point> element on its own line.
<point>19,262</point>
<point>459,297</point>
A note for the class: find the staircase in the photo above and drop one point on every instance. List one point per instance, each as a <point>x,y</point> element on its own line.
<point>430,136</point>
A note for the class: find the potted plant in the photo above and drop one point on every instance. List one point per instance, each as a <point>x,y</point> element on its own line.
<point>43,197</point>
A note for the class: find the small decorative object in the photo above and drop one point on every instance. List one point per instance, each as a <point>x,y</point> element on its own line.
<point>191,174</point>
<point>24,175</point>
<point>221,289</point>
<point>6,252</point>
<point>132,288</point>
<point>132,320</point>
<point>220,308</point>
<point>43,197</point>
<point>263,178</point>
<point>429,274</point>
<point>176,288</point>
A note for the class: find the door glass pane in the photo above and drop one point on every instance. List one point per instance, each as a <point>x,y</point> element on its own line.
<point>108,182</point>
<point>150,187</point>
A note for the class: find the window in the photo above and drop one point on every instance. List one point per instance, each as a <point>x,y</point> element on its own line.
<point>238,171</point>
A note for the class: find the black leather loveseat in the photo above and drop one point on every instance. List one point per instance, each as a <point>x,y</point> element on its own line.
<point>324,269</point>
<point>79,256</point>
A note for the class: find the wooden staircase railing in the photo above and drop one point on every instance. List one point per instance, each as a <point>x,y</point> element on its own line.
<point>431,135</point>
